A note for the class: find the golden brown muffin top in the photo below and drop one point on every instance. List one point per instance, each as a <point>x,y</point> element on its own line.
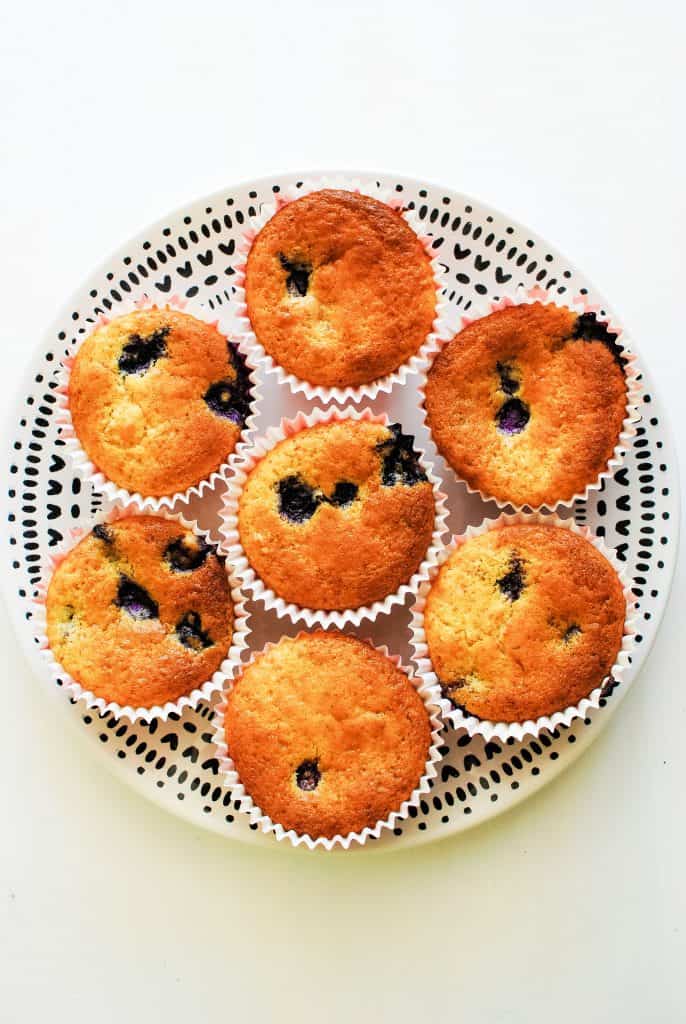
<point>337,516</point>
<point>158,400</point>
<point>327,735</point>
<point>527,404</point>
<point>339,289</point>
<point>140,611</point>
<point>523,621</point>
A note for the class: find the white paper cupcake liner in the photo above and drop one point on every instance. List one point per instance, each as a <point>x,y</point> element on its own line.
<point>430,694</point>
<point>518,730</point>
<point>250,581</point>
<point>80,459</point>
<point>417,364</point>
<point>239,638</point>
<point>632,374</point>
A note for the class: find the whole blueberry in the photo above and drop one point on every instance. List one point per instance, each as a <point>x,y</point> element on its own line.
<point>190,633</point>
<point>142,352</point>
<point>297,500</point>
<point>512,416</point>
<point>135,600</point>
<point>308,776</point>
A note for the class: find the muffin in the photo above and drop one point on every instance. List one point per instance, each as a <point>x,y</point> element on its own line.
<point>339,289</point>
<point>326,734</point>
<point>338,515</point>
<point>140,612</point>
<point>158,400</point>
<point>527,404</point>
<point>522,621</point>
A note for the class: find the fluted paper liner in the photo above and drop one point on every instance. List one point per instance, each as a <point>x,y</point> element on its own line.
<point>430,694</point>
<point>518,730</point>
<point>239,644</point>
<point>250,581</point>
<point>632,375</point>
<point>80,459</point>
<point>416,364</point>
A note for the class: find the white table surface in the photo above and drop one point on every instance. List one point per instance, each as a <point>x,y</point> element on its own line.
<point>569,908</point>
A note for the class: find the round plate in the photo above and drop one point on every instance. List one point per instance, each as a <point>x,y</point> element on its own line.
<point>190,253</point>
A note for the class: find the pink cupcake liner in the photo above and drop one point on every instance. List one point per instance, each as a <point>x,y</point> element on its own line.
<point>430,694</point>
<point>80,459</point>
<point>241,631</point>
<point>632,373</point>
<point>417,364</point>
<point>518,730</point>
<point>250,581</point>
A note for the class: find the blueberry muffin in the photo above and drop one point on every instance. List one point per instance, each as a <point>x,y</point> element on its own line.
<point>158,400</point>
<point>140,612</point>
<point>523,621</point>
<point>527,404</point>
<point>339,289</point>
<point>337,516</point>
<point>327,735</point>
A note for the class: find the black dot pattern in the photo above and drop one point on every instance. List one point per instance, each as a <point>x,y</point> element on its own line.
<point>485,256</point>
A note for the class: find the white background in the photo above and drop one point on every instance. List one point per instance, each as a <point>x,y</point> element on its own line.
<point>571,119</point>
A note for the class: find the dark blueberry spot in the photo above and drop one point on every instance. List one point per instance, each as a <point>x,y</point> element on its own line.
<point>103,534</point>
<point>571,632</point>
<point>508,383</point>
<point>449,690</point>
<point>512,416</point>
<point>187,552</point>
<point>400,460</point>
<point>512,583</point>
<point>135,600</point>
<point>297,501</point>
<point>139,354</point>
<point>344,493</point>
<point>589,328</point>
<point>189,632</point>
<point>307,775</point>
<point>231,398</point>
<point>298,278</point>
<point>242,387</point>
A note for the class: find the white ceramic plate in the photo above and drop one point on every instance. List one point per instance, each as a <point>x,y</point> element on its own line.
<point>190,253</point>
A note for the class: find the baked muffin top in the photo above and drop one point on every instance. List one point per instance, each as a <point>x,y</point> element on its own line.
<point>140,611</point>
<point>527,404</point>
<point>337,516</point>
<point>339,288</point>
<point>327,735</point>
<point>158,400</point>
<point>523,621</point>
